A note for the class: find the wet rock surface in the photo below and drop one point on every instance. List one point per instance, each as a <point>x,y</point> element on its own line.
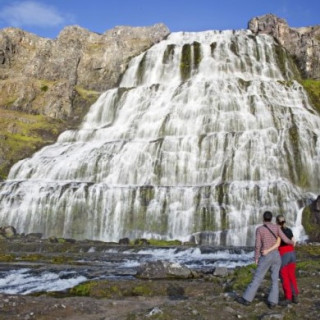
<point>209,295</point>
<point>163,270</point>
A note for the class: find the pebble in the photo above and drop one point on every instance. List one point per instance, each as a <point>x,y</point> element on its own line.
<point>154,311</point>
<point>272,316</point>
<point>229,309</point>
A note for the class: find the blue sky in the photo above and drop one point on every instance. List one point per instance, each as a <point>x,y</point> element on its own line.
<point>48,17</point>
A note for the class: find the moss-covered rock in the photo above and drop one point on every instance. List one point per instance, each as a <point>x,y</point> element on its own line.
<point>117,289</point>
<point>186,62</point>
<point>311,220</point>
<point>313,89</point>
<point>242,277</point>
<point>22,134</point>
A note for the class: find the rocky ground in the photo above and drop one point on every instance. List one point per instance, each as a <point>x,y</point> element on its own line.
<point>203,296</point>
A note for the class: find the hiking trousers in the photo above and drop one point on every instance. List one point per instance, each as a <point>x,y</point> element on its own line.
<point>271,261</point>
<point>288,271</point>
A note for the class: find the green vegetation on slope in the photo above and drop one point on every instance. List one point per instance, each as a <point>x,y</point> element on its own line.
<point>313,89</point>
<point>22,134</point>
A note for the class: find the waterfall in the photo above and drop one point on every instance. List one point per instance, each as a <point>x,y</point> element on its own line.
<point>205,132</point>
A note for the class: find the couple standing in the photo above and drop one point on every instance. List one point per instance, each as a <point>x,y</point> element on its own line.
<point>267,256</point>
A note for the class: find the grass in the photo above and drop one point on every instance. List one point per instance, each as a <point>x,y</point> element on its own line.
<point>22,134</point>
<point>88,95</point>
<point>242,277</point>
<point>313,89</point>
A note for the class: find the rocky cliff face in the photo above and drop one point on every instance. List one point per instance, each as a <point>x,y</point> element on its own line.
<point>311,220</point>
<point>302,43</point>
<point>46,86</point>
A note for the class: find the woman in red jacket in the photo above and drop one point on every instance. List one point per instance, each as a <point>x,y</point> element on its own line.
<point>288,265</point>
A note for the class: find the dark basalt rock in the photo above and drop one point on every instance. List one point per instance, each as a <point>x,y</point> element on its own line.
<point>311,220</point>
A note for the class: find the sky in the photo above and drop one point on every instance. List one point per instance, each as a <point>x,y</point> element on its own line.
<point>47,18</point>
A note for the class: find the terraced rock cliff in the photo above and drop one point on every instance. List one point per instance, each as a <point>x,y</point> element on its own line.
<point>47,85</point>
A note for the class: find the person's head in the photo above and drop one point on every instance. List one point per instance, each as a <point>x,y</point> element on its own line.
<point>267,216</point>
<point>280,220</point>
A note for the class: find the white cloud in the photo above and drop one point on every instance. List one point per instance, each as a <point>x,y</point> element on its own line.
<point>31,13</point>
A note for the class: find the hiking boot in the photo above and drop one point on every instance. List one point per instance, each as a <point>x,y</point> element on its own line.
<point>243,301</point>
<point>271,305</point>
<point>295,299</point>
<point>284,303</point>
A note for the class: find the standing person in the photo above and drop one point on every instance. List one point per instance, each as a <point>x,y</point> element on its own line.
<point>288,265</point>
<point>266,237</point>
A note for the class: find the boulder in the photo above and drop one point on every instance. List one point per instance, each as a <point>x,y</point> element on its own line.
<point>311,220</point>
<point>34,236</point>
<point>8,232</point>
<point>124,241</point>
<point>163,270</point>
<point>141,242</point>
<point>221,272</point>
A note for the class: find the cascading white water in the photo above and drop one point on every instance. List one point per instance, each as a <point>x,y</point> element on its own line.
<point>205,132</point>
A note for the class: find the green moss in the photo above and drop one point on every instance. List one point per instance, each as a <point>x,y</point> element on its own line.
<point>24,134</point>
<point>244,84</point>
<point>197,56</point>
<point>313,89</point>
<point>7,257</point>
<point>309,250</point>
<point>213,47</point>
<point>142,290</point>
<point>281,59</point>
<point>224,219</point>
<point>185,63</point>
<point>9,101</point>
<point>44,84</point>
<point>308,265</point>
<point>286,83</point>
<point>298,174</point>
<point>220,193</point>
<point>257,50</point>
<point>311,228</point>
<point>234,47</point>
<point>286,63</point>
<point>89,95</point>
<point>242,277</point>
<point>164,243</point>
<point>93,47</point>
<point>32,257</point>
<point>61,260</point>
<point>168,53</point>
<point>83,289</point>
<point>116,289</point>
<point>141,69</point>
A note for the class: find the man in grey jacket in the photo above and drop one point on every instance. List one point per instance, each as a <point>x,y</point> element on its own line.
<point>266,237</point>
